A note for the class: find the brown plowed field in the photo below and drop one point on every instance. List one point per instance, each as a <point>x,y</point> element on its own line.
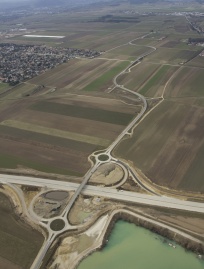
<point>56,132</point>
<point>66,123</point>
<point>188,82</point>
<point>96,102</point>
<point>173,56</point>
<point>5,264</point>
<point>90,113</point>
<point>20,243</point>
<point>43,157</point>
<point>127,52</point>
<point>25,140</point>
<point>168,146</point>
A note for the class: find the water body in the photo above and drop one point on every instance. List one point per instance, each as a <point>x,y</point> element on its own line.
<point>132,247</point>
<point>57,195</point>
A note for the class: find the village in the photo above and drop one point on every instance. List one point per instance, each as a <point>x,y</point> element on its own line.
<point>22,62</point>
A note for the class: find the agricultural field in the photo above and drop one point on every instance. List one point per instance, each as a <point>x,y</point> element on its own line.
<point>82,74</point>
<point>3,87</point>
<point>171,56</point>
<point>81,36</point>
<point>138,76</point>
<point>19,242</point>
<point>53,122</point>
<point>167,146</point>
<point>178,42</point>
<point>102,40</point>
<point>91,32</point>
<point>197,62</point>
<point>188,82</point>
<point>105,81</point>
<point>23,90</point>
<point>147,78</point>
<point>127,52</point>
<point>56,135</point>
<point>156,84</point>
<point>168,39</point>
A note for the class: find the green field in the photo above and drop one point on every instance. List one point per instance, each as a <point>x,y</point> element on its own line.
<point>84,112</point>
<point>13,162</point>
<point>156,83</point>
<point>154,80</point>
<point>106,78</point>
<point>147,78</point>
<point>138,76</point>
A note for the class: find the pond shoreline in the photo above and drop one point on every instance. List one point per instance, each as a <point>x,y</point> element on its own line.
<point>183,239</point>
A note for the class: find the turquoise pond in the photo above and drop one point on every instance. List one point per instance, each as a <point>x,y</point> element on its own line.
<point>132,247</point>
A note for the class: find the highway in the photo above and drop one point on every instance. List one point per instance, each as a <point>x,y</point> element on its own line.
<point>123,196</point>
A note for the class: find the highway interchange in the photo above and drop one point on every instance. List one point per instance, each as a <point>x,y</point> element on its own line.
<point>151,199</point>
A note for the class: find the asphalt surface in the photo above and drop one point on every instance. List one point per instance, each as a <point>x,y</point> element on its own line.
<point>125,196</point>
<point>141,97</point>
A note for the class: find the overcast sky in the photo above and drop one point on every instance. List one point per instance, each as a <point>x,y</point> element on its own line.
<point>14,1</point>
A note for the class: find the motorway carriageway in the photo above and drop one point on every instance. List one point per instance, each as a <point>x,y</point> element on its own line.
<point>125,196</point>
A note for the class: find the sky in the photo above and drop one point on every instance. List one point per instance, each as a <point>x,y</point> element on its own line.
<point>13,1</point>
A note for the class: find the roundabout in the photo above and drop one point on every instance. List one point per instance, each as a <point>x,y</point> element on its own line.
<point>57,225</point>
<point>103,157</point>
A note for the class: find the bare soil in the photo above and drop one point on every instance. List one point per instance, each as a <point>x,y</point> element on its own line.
<point>107,174</point>
<point>168,146</point>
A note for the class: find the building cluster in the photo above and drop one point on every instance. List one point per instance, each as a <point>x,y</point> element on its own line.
<point>197,41</point>
<point>22,62</point>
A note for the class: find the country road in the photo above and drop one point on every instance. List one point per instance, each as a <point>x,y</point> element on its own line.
<point>141,97</point>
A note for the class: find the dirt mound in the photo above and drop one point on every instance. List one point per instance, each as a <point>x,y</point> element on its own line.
<point>107,174</point>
